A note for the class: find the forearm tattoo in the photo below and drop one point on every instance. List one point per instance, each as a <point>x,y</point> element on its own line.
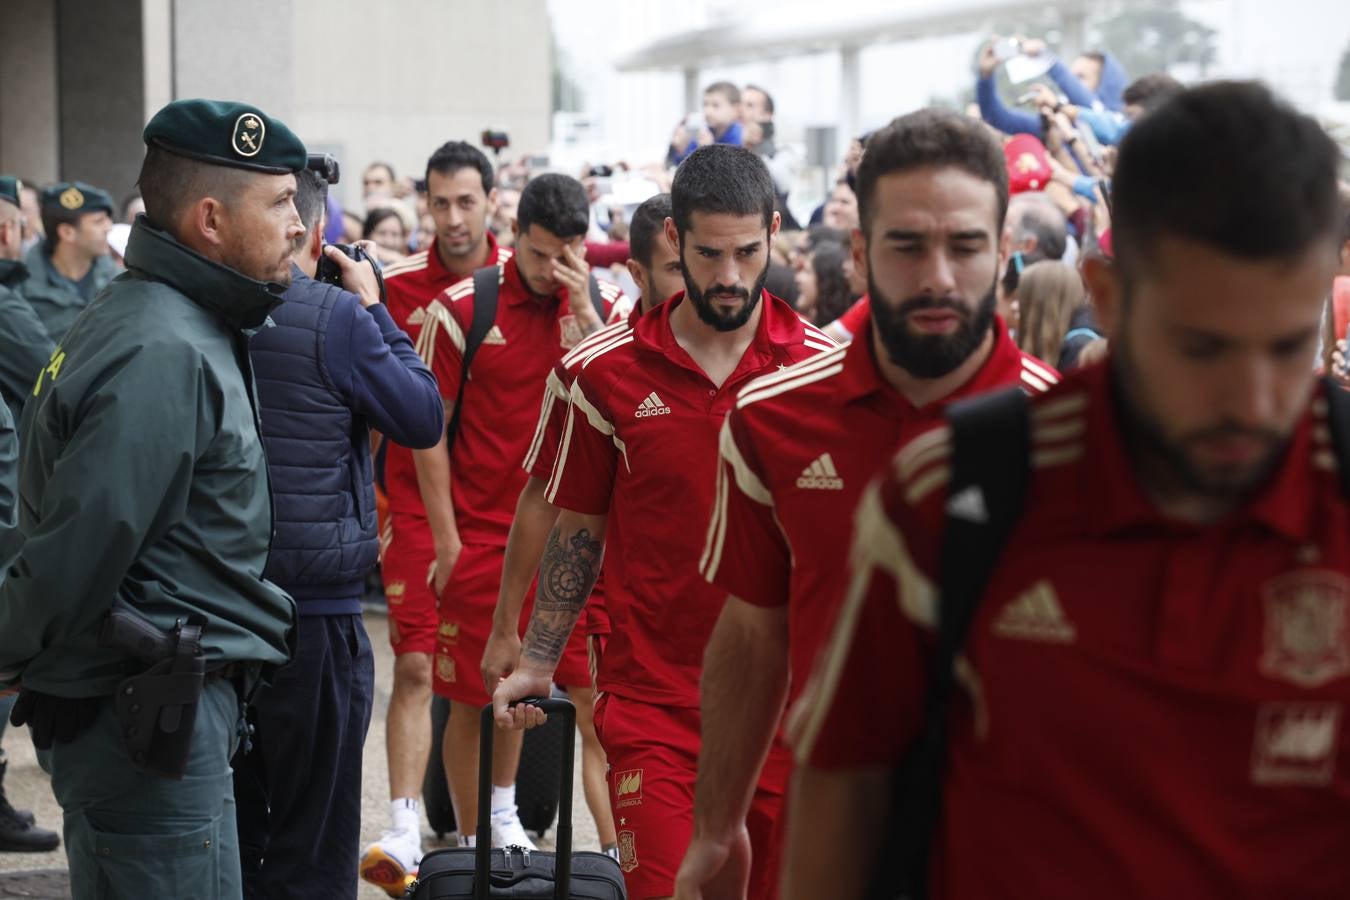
<point>566,575</point>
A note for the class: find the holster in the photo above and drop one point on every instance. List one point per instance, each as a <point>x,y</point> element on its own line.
<point>157,709</point>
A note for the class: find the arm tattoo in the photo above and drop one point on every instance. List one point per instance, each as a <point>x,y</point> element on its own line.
<point>545,643</point>
<point>568,573</point>
<point>566,576</point>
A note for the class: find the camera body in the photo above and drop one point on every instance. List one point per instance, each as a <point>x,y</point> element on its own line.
<point>329,273</point>
<point>495,140</point>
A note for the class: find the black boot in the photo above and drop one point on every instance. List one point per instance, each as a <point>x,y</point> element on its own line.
<point>18,833</point>
<point>22,815</point>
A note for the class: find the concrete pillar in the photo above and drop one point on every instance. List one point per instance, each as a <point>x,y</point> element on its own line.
<point>28,91</point>
<point>693,92</point>
<point>157,48</point>
<point>850,97</point>
<point>102,98</point>
<point>1073,27</point>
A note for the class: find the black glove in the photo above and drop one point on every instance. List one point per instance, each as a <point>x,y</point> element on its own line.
<point>54,719</point>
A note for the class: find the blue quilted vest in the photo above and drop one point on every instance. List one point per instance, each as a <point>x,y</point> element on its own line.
<point>318,453</point>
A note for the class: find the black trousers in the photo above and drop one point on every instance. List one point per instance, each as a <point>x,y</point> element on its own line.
<point>298,791</point>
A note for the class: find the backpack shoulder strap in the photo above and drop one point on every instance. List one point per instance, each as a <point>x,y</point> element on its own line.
<point>486,284</point>
<point>597,298</point>
<point>990,473</point>
<point>1338,420</point>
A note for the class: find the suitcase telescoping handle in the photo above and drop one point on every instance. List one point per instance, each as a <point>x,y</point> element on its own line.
<point>482,859</point>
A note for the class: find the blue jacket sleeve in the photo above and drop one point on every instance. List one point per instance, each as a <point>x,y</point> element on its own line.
<point>374,364</point>
<point>1073,88</point>
<point>1009,121</point>
<point>1114,81</point>
<point>1108,128</point>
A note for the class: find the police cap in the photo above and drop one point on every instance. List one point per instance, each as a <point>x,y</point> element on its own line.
<point>225,133</point>
<point>69,197</point>
<point>9,189</point>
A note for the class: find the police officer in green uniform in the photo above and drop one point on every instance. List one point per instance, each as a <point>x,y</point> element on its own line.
<point>24,349</point>
<point>25,346</point>
<point>71,263</point>
<point>136,615</point>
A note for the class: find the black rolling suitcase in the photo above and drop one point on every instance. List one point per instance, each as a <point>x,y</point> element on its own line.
<point>537,784</point>
<point>482,873</point>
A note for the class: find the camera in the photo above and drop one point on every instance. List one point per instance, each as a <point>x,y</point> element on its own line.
<point>329,273</point>
<point>325,165</point>
<point>496,140</point>
<point>601,172</point>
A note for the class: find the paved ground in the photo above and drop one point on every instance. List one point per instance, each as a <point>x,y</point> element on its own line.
<point>42,875</point>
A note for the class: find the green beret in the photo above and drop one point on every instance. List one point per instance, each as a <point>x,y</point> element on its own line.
<point>74,197</point>
<point>9,188</point>
<point>225,133</point>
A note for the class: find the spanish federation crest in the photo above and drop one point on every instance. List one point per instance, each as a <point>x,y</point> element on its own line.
<point>248,134</point>
<point>1306,640</point>
<point>628,860</point>
<point>71,198</point>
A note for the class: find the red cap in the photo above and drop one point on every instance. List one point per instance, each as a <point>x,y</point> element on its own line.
<point>1104,242</point>
<point>1028,166</point>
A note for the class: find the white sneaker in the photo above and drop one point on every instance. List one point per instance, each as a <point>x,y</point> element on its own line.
<point>507,830</point>
<point>391,862</point>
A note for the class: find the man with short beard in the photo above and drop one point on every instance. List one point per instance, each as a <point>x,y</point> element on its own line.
<point>72,264</point>
<point>801,444</point>
<point>639,454</point>
<point>461,197</point>
<point>1150,697</point>
<point>143,482</point>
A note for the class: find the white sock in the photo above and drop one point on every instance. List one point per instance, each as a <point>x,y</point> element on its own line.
<point>406,813</point>
<point>503,798</point>
<point>468,840</point>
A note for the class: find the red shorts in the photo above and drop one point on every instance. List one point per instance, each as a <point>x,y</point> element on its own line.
<point>466,609</point>
<point>653,762</point>
<point>406,564</point>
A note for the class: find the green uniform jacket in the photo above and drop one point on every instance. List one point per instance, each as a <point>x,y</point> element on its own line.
<point>9,473</point>
<point>143,477</point>
<point>56,303</point>
<point>25,346</point>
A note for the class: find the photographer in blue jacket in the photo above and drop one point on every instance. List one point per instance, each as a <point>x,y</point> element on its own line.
<point>331,365</point>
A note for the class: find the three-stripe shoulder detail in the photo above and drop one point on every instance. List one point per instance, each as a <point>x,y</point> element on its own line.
<point>594,342</point>
<point>415,263</point>
<point>817,339</point>
<point>809,371</point>
<point>1037,376</point>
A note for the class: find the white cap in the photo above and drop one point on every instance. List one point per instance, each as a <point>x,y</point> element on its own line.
<point>117,238</point>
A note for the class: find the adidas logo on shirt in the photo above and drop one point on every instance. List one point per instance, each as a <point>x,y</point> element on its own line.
<point>1035,615</point>
<point>417,316</point>
<point>494,336</point>
<point>821,475</point>
<point>652,406</point>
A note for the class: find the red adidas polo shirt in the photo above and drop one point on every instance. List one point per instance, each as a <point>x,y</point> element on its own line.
<point>1150,708</point>
<point>855,317</point>
<point>641,445</point>
<point>497,422</point>
<point>548,431</point>
<point>797,451</point>
<point>410,285</point>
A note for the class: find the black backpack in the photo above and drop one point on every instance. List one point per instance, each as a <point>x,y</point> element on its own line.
<point>486,284</point>
<point>991,453</point>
